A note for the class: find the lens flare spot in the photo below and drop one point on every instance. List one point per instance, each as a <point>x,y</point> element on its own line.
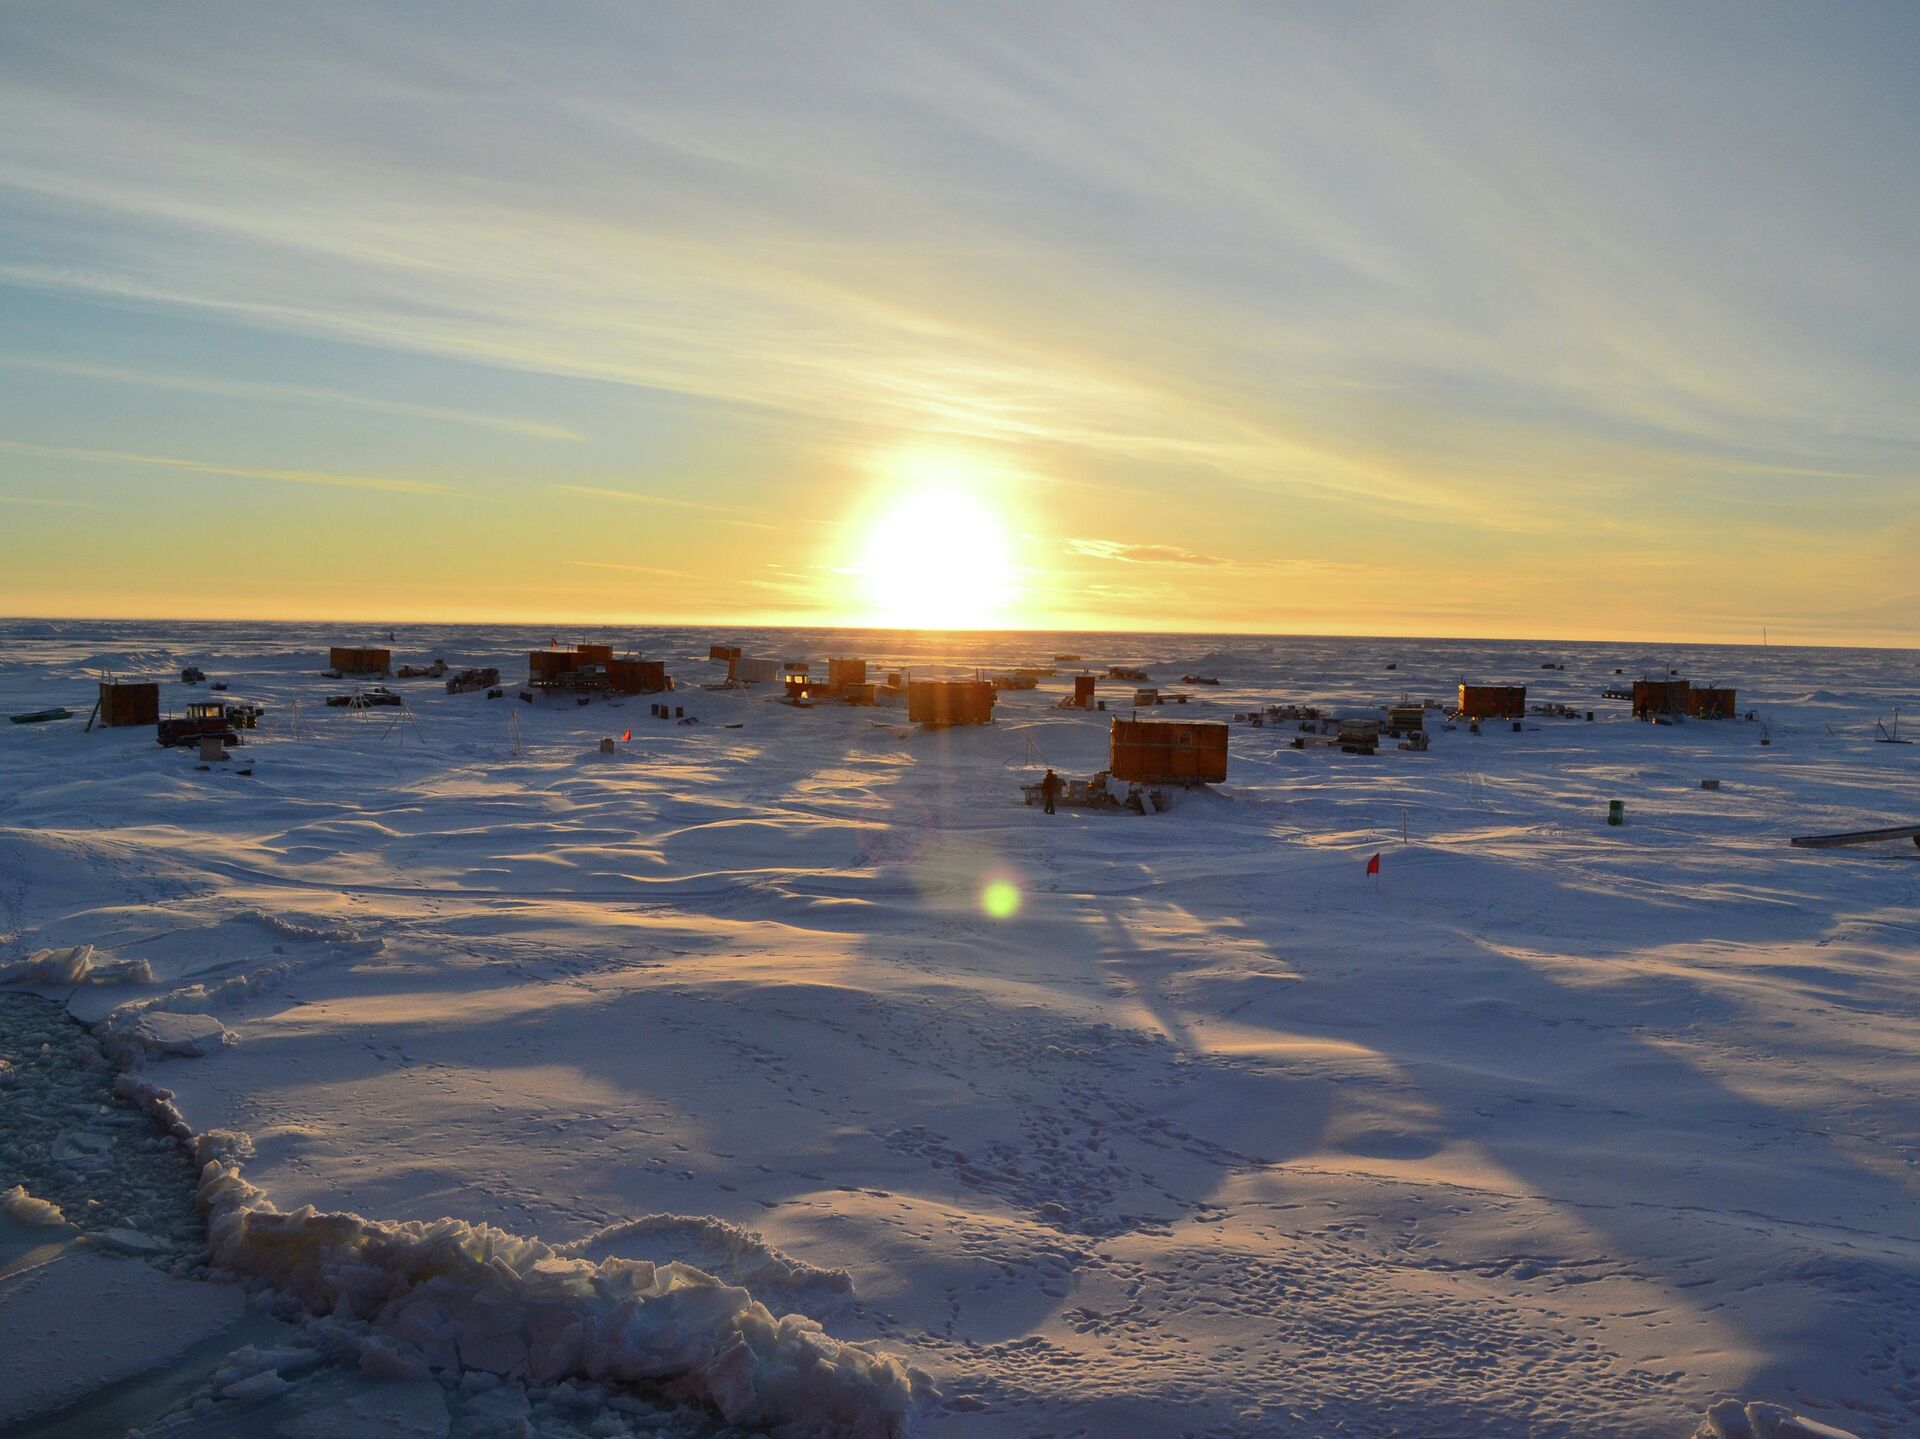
<point>1001,899</point>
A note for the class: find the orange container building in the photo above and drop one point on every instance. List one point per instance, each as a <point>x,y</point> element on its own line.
<point>843,673</point>
<point>1659,697</point>
<point>1083,690</point>
<point>638,677</point>
<point>1493,701</point>
<point>545,666</point>
<point>1711,703</point>
<point>129,702</point>
<point>950,702</point>
<point>351,660</point>
<point>1168,751</point>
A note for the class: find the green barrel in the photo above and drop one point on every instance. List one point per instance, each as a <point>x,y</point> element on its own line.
<point>1616,811</point>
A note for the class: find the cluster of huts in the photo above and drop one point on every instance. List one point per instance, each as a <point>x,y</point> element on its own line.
<point>937,702</point>
<point>574,669</point>
<point>1141,751</point>
<point>125,703</point>
<point>586,669</point>
<point>1652,699</point>
<point>1668,698</point>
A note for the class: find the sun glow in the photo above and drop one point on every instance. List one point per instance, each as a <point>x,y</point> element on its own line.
<point>938,557</point>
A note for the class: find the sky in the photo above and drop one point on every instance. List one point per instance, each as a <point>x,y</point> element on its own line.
<point>1584,321</point>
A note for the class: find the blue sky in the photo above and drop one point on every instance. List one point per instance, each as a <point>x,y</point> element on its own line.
<point>1476,319</point>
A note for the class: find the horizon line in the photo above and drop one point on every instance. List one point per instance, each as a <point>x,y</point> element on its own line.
<point>934,630</point>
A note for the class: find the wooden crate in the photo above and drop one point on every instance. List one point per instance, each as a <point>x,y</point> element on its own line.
<point>129,702</point>
<point>843,673</point>
<point>1493,701</point>
<point>1168,751</point>
<point>950,702</point>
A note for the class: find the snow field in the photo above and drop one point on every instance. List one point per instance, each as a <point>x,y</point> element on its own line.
<point>1556,1129</point>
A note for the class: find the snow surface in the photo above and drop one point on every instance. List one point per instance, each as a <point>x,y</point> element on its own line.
<point>1554,1129</point>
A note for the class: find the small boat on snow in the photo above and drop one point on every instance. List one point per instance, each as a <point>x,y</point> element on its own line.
<point>41,716</point>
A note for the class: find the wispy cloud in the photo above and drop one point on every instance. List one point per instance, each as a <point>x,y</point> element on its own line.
<point>255,390</point>
<point>730,513</point>
<point>634,569</point>
<point>44,502</point>
<point>1142,554</point>
<point>243,472</point>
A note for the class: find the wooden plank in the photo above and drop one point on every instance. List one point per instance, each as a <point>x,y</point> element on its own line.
<point>1859,836</point>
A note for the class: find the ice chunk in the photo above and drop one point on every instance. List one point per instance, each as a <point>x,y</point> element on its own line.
<point>127,1241</point>
<point>497,1302</point>
<point>85,1319</point>
<point>1731,1419</point>
<point>519,1308</point>
<point>264,1385</point>
<point>23,1208</point>
<point>191,1035</point>
<point>75,964</point>
<point>391,1410</point>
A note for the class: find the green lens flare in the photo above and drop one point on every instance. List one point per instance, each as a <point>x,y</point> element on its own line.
<point>1001,899</point>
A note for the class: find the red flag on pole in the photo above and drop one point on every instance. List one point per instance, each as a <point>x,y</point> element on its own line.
<point>1373,865</point>
<point>629,735</point>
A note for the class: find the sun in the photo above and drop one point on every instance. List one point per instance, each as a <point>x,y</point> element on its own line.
<point>938,557</point>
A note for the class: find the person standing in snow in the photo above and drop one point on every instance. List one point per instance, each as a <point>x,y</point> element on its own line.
<point>1050,789</point>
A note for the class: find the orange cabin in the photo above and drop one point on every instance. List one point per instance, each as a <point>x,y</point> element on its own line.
<point>350,660</point>
<point>1711,703</point>
<point>129,702</point>
<point>950,702</point>
<point>638,677</point>
<point>1660,697</point>
<point>1493,701</point>
<point>1168,751</point>
<point>843,673</point>
<point>544,666</point>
